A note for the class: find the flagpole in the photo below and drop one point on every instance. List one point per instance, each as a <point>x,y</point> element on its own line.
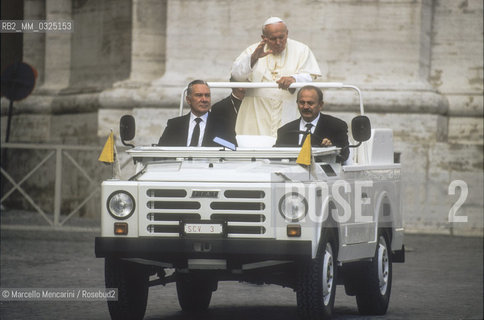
<point>116,163</point>
<point>113,172</point>
<point>311,163</point>
<point>310,156</point>
<point>305,157</point>
<point>108,154</point>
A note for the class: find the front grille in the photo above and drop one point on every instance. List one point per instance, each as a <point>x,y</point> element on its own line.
<point>171,216</point>
<point>252,206</point>
<point>247,194</point>
<point>164,229</point>
<point>246,229</point>
<point>243,212</point>
<point>174,205</point>
<point>167,193</point>
<point>238,217</point>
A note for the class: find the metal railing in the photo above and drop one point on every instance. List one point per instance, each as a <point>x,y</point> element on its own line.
<point>295,85</point>
<point>59,152</point>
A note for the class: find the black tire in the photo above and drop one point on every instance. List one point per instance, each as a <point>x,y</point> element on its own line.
<point>194,292</point>
<point>316,289</point>
<point>132,282</point>
<point>373,294</point>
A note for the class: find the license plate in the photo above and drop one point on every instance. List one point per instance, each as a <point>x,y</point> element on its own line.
<point>203,228</point>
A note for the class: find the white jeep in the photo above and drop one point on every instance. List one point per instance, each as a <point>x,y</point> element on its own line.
<point>196,216</point>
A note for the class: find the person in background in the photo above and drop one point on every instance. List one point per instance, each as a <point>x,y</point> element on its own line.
<point>228,108</point>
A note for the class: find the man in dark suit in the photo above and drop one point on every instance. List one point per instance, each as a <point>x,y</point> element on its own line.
<point>228,108</point>
<point>199,127</point>
<point>325,129</point>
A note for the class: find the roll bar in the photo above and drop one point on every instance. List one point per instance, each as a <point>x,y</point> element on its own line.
<point>295,85</point>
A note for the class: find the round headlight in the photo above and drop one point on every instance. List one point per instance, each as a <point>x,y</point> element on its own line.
<point>293,206</point>
<point>120,205</point>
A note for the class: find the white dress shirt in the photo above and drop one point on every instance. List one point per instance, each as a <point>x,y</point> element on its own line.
<point>192,125</point>
<point>302,127</point>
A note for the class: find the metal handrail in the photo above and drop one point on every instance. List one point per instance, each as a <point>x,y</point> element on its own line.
<point>59,151</point>
<point>295,85</point>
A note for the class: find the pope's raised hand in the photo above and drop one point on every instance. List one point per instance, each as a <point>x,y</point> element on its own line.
<point>259,53</point>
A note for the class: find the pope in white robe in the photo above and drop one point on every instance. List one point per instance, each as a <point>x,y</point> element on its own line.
<point>275,59</point>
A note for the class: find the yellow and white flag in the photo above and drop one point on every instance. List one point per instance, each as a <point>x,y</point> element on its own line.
<point>305,157</point>
<point>107,155</point>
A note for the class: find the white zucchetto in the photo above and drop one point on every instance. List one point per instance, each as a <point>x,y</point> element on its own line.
<point>273,20</point>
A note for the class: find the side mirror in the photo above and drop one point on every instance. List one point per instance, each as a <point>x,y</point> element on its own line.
<point>361,128</point>
<point>127,128</point>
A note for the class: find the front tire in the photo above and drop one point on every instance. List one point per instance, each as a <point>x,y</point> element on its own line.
<point>317,281</point>
<point>132,282</point>
<point>373,295</point>
<point>194,292</point>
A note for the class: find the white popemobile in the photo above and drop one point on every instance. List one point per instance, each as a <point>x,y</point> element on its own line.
<point>196,216</point>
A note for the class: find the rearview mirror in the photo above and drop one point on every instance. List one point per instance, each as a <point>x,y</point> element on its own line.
<point>361,128</point>
<point>127,129</point>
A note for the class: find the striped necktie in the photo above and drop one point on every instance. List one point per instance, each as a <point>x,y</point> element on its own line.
<point>308,131</point>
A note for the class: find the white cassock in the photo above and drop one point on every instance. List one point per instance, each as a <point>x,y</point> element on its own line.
<point>263,111</point>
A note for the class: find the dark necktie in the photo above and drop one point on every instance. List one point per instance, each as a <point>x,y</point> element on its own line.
<point>308,131</point>
<point>236,104</point>
<point>196,133</point>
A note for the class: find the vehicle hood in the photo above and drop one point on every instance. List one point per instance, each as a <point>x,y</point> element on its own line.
<point>225,171</point>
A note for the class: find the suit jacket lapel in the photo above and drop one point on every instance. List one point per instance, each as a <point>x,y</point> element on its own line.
<point>184,130</point>
<point>319,130</point>
<point>293,136</point>
<point>207,131</point>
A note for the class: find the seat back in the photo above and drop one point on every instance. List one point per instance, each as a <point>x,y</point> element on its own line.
<point>378,149</point>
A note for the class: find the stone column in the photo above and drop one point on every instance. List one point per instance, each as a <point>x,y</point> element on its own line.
<point>457,51</point>
<point>57,47</point>
<point>148,40</point>
<point>34,43</point>
<point>147,62</point>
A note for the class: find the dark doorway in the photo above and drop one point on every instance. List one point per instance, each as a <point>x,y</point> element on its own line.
<point>12,43</point>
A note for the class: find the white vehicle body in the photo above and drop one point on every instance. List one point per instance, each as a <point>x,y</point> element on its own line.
<point>254,214</point>
<point>272,172</point>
